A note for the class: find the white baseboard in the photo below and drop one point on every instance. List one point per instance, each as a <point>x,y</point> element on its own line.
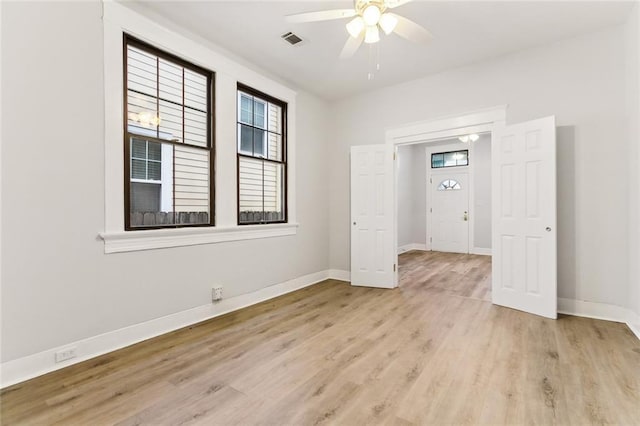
<point>602,311</point>
<point>21,369</point>
<point>634,323</point>
<point>412,246</point>
<point>481,251</point>
<point>337,274</point>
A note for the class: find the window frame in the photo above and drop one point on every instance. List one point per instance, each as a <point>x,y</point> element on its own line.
<point>284,119</point>
<point>129,40</point>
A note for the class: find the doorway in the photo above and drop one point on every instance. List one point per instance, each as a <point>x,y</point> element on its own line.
<point>523,214</point>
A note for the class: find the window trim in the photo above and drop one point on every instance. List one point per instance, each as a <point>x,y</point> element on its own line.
<point>118,19</point>
<point>284,112</point>
<point>129,40</point>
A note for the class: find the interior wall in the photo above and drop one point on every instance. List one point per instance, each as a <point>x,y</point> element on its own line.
<point>58,286</point>
<point>632,50</point>
<point>419,228</point>
<point>482,191</point>
<point>580,81</point>
<point>405,196</point>
<point>411,196</point>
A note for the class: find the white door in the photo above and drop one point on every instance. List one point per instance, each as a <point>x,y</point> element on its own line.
<point>524,217</point>
<point>449,212</point>
<point>373,253</point>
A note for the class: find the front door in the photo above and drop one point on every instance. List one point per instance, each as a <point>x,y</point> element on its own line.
<point>449,212</point>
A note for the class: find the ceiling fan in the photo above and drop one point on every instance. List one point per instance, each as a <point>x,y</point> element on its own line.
<point>369,17</point>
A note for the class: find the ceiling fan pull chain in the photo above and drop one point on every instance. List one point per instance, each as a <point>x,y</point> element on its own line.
<point>370,74</point>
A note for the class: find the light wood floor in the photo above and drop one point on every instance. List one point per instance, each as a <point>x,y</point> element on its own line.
<point>433,351</point>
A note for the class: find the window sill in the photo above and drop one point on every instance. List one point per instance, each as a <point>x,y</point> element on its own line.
<point>119,242</point>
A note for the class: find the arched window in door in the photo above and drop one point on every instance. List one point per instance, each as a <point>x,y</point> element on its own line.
<point>449,185</point>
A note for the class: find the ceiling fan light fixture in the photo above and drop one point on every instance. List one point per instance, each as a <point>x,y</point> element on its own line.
<point>388,23</point>
<point>355,27</point>
<point>372,35</point>
<point>371,15</point>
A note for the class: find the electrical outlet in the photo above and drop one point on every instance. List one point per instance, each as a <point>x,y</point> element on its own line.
<point>216,293</point>
<point>66,354</point>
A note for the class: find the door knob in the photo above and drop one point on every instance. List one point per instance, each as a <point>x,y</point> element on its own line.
<point>547,229</point>
<point>354,223</point>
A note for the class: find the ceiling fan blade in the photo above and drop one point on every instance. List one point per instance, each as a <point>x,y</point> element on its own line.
<point>395,3</point>
<point>408,29</point>
<point>351,46</point>
<point>323,15</point>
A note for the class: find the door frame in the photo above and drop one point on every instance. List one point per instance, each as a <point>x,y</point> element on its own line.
<point>446,127</point>
<point>470,184</point>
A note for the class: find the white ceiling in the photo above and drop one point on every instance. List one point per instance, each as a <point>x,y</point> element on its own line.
<point>465,32</point>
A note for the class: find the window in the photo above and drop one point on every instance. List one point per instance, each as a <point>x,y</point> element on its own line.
<point>450,159</point>
<point>262,163</point>
<point>168,140</point>
<point>449,185</point>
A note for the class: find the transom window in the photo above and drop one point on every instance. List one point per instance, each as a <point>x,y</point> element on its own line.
<point>262,165</point>
<point>450,159</point>
<point>449,185</point>
<point>168,140</point>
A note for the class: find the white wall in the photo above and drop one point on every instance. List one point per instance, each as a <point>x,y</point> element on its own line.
<point>581,81</point>
<point>58,286</point>
<point>405,196</point>
<point>482,192</point>
<point>632,78</point>
<point>411,195</point>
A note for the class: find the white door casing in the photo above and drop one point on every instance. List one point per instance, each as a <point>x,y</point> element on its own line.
<point>524,268</point>
<point>449,211</point>
<point>373,241</point>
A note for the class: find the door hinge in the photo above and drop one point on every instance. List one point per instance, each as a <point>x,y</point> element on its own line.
<point>394,267</point>
<point>430,210</point>
<point>430,239</point>
<point>394,155</point>
<point>430,180</point>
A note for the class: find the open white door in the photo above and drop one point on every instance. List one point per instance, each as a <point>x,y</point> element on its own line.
<point>373,246</point>
<point>524,217</point>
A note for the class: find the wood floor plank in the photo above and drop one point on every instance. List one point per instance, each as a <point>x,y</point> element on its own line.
<point>433,351</point>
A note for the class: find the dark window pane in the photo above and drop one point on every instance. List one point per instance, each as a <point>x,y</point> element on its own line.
<point>450,159</point>
<point>138,169</point>
<point>259,142</point>
<point>246,139</point>
<point>155,151</point>
<point>154,170</point>
<point>139,148</point>
<point>437,161</point>
<point>145,197</point>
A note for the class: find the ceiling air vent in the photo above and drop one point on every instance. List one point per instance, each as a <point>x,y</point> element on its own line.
<point>291,38</point>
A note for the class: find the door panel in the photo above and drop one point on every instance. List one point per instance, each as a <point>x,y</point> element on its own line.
<point>449,212</point>
<point>524,218</point>
<point>373,254</point>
